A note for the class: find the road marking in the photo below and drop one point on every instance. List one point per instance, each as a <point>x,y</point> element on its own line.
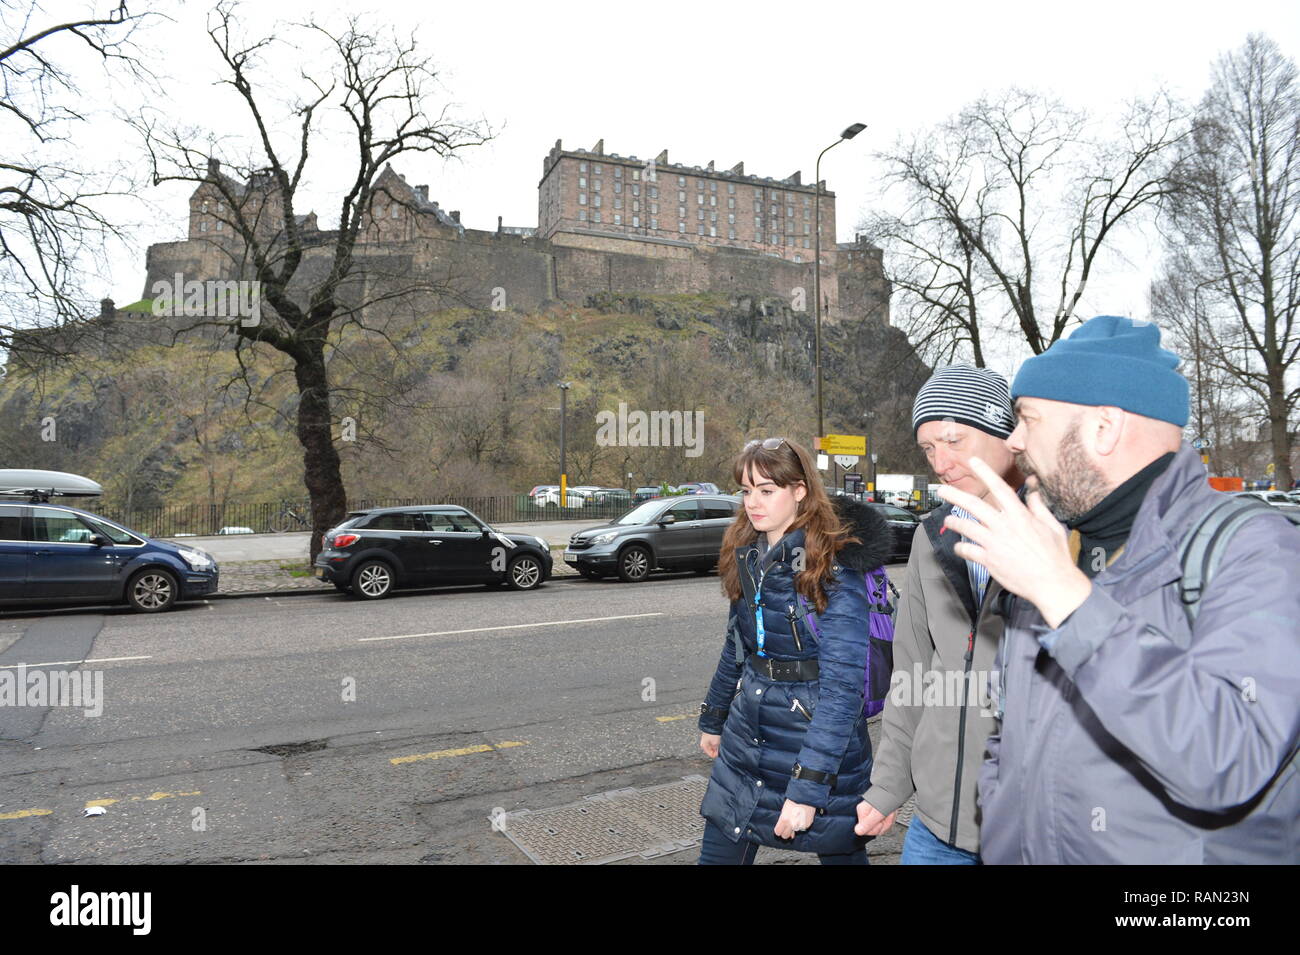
<point>24,813</point>
<point>463,751</point>
<point>669,719</point>
<point>512,626</point>
<point>64,663</point>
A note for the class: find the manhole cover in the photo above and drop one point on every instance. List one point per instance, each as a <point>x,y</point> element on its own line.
<point>607,827</point>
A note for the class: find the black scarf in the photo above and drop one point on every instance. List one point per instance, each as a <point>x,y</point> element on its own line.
<point>1104,530</point>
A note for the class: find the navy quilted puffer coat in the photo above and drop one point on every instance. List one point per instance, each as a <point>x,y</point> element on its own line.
<point>763,732</point>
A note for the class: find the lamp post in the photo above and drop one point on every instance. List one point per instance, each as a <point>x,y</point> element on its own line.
<point>564,417</point>
<point>817,263</point>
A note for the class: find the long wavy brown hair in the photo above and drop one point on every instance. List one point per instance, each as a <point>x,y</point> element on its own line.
<point>824,533</point>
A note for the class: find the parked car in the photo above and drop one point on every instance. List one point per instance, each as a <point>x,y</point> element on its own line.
<point>675,533</point>
<point>612,497</point>
<point>52,553</point>
<point>377,551</point>
<point>644,494</point>
<point>903,524</point>
<point>1268,497</point>
<point>236,530</point>
<point>551,497</point>
<point>699,487</point>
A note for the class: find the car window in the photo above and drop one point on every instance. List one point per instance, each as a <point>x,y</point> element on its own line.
<point>451,522</point>
<point>58,527</point>
<point>713,510</point>
<point>397,521</point>
<point>115,534</point>
<point>897,513</point>
<point>11,523</point>
<point>685,511</point>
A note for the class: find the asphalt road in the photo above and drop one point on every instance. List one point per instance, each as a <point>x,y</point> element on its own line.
<point>322,728</point>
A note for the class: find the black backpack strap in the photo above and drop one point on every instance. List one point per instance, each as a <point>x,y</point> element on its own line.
<point>1204,547</point>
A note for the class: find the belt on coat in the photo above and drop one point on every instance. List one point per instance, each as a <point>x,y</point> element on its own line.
<point>791,671</point>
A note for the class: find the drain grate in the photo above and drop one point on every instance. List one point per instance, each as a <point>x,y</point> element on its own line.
<point>610,826</point>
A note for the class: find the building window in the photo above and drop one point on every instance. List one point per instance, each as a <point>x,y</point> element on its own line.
<point>776,211</point>
<point>798,257</point>
<point>699,199</point>
<point>618,187</point>
<point>731,202</point>
<point>618,203</point>
<point>681,180</point>
<point>731,188</point>
<point>595,201</point>
<point>582,215</point>
<point>807,244</point>
<point>699,184</point>
<point>713,231</point>
<point>681,196</point>
<point>618,219</point>
<point>701,229</point>
<point>681,212</point>
<point>731,218</point>
<point>595,184</point>
<point>582,198</point>
<point>219,225</point>
<point>654,224</point>
<point>758,224</point>
<point>595,217</point>
<point>759,238</point>
<point>636,222</point>
<point>789,212</point>
<point>636,174</point>
<point>203,227</point>
<point>806,227</point>
<point>582,182</point>
<point>713,217</point>
<point>681,226</point>
<point>221,207</point>
<point>597,168</point>
<point>654,207</point>
<point>700,215</point>
<point>731,233</point>
<point>618,172</point>
<point>654,192</point>
<point>713,186</point>
<point>636,189</point>
<point>636,205</point>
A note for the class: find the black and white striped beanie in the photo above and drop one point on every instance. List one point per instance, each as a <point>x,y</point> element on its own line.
<point>968,395</point>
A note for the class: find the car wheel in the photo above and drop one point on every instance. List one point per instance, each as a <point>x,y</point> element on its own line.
<point>634,564</point>
<point>524,572</point>
<point>593,574</point>
<point>372,580</point>
<point>152,590</point>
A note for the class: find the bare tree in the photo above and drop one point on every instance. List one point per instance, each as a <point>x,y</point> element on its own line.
<point>51,214</point>
<point>1006,208</point>
<point>382,90</point>
<point>1234,233</point>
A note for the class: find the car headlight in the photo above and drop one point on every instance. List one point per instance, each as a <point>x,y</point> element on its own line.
<point>604,538</point>
<point>196,559</point>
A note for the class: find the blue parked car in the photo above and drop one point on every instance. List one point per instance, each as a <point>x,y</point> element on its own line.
<point>53,553</point>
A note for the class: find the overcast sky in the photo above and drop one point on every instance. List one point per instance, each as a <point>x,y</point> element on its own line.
<point>767,83</point>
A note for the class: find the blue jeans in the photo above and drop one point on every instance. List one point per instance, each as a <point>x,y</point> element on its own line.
<point>923,847</point>
<point>717,849</point>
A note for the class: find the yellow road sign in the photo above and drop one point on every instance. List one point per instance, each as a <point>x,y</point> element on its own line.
<point>845,444</point>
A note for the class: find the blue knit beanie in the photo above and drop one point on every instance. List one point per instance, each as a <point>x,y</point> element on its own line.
<point>1109,360</point>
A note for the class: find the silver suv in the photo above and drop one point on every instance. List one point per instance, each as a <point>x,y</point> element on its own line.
<point>666,533</point>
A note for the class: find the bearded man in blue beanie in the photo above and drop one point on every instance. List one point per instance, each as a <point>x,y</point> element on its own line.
<point>1130,729</point>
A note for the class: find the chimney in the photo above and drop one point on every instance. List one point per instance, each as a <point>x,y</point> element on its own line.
<point>498,225</point>
<point>738,169</point>
<point>710,166</point>
<point>107,310</point>
<point>662,158</point>
<point>599,148</point>
<point>795,177</point>
<point>456,215</point>
<point>423,192</point>
<point>214,168</point>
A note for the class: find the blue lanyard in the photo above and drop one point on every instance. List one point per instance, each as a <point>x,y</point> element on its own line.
<point>758,616</point>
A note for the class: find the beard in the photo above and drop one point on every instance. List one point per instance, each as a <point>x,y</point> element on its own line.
<point>1077,485</point>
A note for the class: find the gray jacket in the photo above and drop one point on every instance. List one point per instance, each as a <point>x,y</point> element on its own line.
<point>1132,738</point>
<point>932,731</point>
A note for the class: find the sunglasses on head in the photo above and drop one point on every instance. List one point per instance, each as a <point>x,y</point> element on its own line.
<point>768,444</point>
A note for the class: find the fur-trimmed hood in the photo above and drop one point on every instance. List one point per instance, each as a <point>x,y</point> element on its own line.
<point>870,527</point>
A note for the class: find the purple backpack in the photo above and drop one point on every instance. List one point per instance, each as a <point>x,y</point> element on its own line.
<point>880,637</point>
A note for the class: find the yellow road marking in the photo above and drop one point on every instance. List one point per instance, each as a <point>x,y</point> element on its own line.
<point>669,719</point>
<point>463,751</point>
<point>24,813</point>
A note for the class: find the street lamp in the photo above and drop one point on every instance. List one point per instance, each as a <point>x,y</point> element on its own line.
<point>817,263</point>
<point>564,488</point>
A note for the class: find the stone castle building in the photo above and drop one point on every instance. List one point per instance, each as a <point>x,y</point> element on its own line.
<point>606,223</point>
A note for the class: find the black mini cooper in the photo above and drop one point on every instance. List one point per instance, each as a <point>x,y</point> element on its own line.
<point>375,552</point>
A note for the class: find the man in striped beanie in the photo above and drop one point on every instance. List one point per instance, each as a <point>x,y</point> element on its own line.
<point>932,741</point>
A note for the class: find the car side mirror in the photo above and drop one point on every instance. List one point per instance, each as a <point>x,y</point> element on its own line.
<point>98,541</point>
<point>666,519</point>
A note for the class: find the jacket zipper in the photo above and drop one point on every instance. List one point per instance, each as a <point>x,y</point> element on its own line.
<point>961,732</point>
<point>794,626</point>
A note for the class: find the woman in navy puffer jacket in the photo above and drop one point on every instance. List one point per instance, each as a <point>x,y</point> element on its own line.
<point>785,727</point>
